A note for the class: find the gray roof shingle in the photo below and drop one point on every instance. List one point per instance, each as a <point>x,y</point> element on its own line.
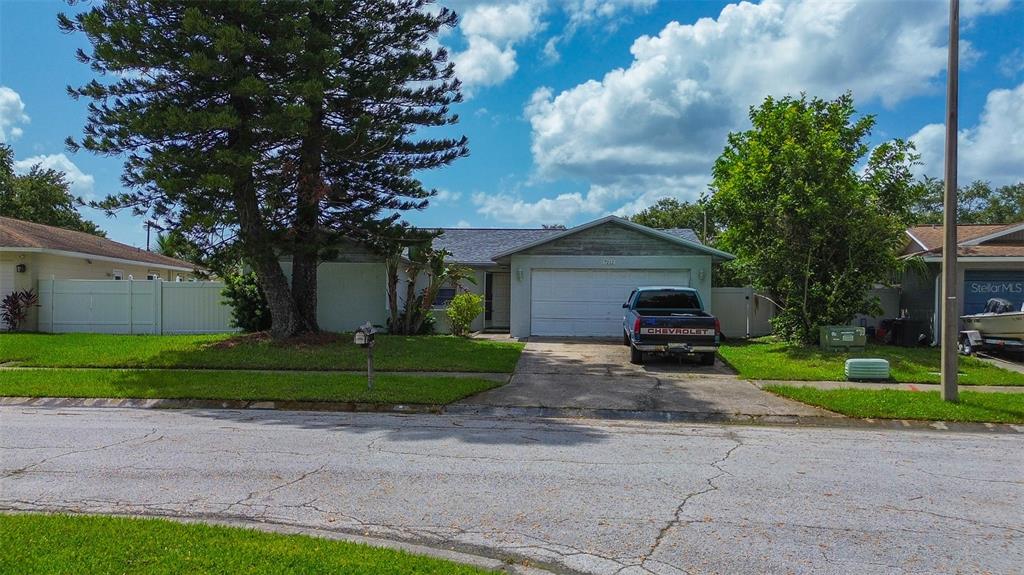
<point>480,245</point>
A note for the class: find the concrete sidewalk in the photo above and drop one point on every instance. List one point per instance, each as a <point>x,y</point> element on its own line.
<point>901,386</point>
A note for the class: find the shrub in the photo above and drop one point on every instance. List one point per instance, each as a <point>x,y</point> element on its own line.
<point>249,309</point>
<point>462,310</point>
<point>14,307</point>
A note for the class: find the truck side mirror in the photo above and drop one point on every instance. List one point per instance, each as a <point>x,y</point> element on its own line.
<point>625,305</point>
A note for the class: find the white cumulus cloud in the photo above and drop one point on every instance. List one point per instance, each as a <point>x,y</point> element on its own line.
<point>81,183</point>
<point>12,113</point>
<point>992,150</point>
<point>658,124</point>
<point>492,31</point>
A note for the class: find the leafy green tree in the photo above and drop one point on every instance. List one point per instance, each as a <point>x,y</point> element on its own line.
<point>805,225</point>
<point>668,213</point>
<point>977,203</point>
<point>41,196</point>
<point>279,126</point>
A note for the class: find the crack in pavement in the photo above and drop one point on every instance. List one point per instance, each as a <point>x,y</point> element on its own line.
<point>22,470</point>
<point>677,515</point>
<point>252,494</point>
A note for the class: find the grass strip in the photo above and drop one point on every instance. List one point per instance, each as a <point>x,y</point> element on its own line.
<point>31,544</point>
<point>770,360</point>
<point>899,404</point>
<point>244,385</point>
<point>229,351</point>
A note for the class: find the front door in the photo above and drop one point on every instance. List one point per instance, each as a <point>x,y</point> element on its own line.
<point>498,297</point>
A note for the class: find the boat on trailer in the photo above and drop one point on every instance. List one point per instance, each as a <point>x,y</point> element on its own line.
<point>998,327</point>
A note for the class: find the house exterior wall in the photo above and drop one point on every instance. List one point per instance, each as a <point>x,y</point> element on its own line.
<point>920,292</point>
<point>441,324</point>
<point>522,266</point>
<point>349,294</point>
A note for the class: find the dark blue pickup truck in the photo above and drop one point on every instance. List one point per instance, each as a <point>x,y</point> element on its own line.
<point>669,320</point>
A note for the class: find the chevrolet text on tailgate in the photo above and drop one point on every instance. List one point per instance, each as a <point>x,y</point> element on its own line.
<point>669,320</point>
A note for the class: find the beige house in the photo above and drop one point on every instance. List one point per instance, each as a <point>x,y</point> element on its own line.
<point>30,252</point>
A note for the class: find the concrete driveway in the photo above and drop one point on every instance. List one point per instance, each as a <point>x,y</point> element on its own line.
<point>597,375</point>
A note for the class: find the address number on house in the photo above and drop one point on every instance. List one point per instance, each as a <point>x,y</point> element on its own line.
<point>676,331</point>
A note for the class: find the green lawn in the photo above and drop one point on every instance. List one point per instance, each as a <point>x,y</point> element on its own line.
<point>207,384</point>
<point>782,361</point>
<point>31,544</point>
<point>899,404</point>
<point>392,353</point>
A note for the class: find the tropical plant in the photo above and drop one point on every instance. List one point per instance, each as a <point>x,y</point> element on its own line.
<point>15,306</point>
<point>438,272</point>
<point>462,310</point>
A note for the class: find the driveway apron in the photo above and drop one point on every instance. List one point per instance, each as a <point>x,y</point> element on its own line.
<point>597,374</point>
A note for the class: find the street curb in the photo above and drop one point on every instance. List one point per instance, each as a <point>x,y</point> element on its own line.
<point>504,564</point>
<point>731,419</point>
<point>340,406</point>
<point>518,412</point>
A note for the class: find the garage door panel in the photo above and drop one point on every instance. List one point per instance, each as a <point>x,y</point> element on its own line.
<point>586,302</point>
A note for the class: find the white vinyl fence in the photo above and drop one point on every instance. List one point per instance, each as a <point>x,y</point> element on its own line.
<point>741,312</point>
<point>132,306</point>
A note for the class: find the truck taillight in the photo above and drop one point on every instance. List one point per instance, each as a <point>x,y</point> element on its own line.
<point>636,326</point>
<point>718,327</point>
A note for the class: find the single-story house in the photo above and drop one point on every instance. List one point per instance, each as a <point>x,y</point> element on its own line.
<point>990,262</point>
<point>30,252</point>
<point>547,282</point>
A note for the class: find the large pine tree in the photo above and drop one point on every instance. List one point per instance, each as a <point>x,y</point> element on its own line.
<point>278,125</point>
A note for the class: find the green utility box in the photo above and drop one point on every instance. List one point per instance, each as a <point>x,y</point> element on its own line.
<point>842,338</point>
<point>867,369</point>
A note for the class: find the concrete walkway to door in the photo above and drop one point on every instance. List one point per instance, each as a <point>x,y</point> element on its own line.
<point>596,375</point>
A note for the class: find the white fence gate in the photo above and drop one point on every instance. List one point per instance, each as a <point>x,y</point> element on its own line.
<point>741,312</point>
<point>132,306</point>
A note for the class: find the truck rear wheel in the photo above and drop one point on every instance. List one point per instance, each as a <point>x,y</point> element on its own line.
<point>625,338</point>
<point>707,358</point>
<point>636,356</point>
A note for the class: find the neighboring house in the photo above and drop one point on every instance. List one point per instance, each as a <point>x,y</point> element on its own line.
<point>30,252</point>
<point>548,282</point>
<point>990,264</point>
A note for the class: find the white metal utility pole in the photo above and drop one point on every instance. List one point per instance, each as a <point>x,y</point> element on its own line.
<point>950,301</point>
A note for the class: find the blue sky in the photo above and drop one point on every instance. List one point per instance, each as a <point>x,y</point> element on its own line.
<point>580,108</point>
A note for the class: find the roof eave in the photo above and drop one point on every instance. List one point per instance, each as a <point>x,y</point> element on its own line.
<point>89,256</point>
<point>1004,231</point>
<point>638,227</point>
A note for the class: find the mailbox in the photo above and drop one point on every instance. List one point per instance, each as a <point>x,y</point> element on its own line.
<point>364,335</point>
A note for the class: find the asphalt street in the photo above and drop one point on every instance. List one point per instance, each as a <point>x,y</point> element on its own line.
<point>571,495</point>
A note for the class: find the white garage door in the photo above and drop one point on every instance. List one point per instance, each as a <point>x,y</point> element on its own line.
<point>588,303</point>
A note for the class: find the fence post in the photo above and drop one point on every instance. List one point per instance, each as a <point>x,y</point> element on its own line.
<point>158,308</point>
<point>131,307</point>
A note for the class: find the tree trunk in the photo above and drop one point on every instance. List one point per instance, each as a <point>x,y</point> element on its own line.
<point>284,315</point>
<point>306,253</point>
